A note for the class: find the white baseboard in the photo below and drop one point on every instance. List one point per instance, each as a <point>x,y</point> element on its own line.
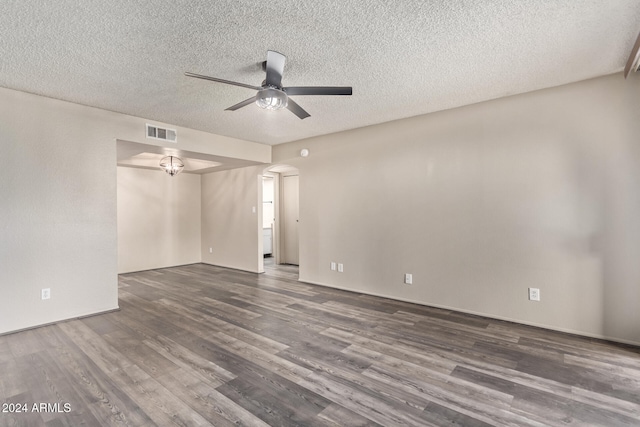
<point>232,267</point>
<point>65,319</point>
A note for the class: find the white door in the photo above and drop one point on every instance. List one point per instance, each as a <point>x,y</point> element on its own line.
<point>290,208</point>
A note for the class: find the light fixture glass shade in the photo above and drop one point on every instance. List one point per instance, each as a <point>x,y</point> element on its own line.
<point>172,165</point>
<point>271,99</point>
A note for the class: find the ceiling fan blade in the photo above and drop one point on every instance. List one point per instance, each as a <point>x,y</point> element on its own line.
<point>242,104</point>
<point>228,82</point>
<point>296,109</point>
<point>275,68</point>
<point>318,90</point>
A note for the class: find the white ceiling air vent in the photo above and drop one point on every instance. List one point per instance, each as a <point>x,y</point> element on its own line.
<point>633,64</point>
<point>155,132</point>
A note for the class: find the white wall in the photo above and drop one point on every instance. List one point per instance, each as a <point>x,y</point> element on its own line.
<point>479,203</point>
<point>230,227</point>
<point>158,219</point>
<point>58,203</point>
<point>57,212</point>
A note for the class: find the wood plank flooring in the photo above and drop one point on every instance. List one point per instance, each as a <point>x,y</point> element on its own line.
<point>201,345</point>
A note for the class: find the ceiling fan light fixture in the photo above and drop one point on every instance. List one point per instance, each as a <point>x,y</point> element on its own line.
<point>271,98</point>
<point>172,165</point>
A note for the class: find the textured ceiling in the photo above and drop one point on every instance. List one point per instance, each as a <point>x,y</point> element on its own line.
<point>403,59</point>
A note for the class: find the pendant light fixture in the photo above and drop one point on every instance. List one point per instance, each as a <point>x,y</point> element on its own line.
<point>172,165</point>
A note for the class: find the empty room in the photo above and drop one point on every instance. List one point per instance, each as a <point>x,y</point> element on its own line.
<point>421,213</point>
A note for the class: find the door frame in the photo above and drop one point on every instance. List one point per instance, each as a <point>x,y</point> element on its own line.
<point>283,228</point>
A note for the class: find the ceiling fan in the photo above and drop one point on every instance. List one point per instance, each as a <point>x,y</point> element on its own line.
<point>272,95</point>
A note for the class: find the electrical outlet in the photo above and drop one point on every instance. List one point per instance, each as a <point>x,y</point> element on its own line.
<point>45,293</point>
<point>210,250</point>
<point>408,279</point>
<point>340,268</point>
<point>534,294</point>
<point>333,266</point>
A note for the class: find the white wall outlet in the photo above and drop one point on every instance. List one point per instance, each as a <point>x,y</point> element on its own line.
<point>534,294</point>
<point>333,266</point>
<point>253,209</point>
<point>210,250</point>
<point>408,278</point>
<point>340,268</point>
<point>45,293</point>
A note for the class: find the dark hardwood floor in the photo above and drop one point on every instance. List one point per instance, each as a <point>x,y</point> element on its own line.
<point>202,345</point>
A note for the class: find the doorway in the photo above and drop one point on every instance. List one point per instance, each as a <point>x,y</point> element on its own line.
<point>268,214</point>
<point>281,185</point>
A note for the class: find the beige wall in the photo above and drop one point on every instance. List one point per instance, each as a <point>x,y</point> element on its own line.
<point>230,227</point>
<point>479,203</point>
<point>158,219</point>
<point>58,203</point>
<point>57,212</point>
